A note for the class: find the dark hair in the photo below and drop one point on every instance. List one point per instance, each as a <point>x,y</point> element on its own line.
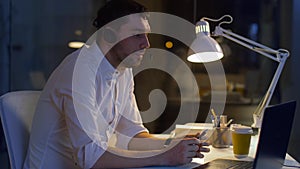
<point>115,9</point>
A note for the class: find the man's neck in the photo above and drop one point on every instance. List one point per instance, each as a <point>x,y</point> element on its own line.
<point>111,57</point>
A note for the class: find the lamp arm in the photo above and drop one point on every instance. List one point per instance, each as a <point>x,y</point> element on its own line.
<point>267,98</point>
<point>252,45</point>
<point>279,56</point>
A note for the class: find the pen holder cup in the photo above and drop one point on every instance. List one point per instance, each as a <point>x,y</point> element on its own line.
<point>221,137</point>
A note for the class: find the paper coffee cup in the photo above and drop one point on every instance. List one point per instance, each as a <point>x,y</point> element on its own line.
<point>241,138</point>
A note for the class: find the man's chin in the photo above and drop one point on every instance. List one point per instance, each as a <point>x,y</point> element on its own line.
<point>131,64</point>
<point>137,64</point>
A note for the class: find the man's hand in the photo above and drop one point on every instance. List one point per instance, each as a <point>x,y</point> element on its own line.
<point>182,151</point>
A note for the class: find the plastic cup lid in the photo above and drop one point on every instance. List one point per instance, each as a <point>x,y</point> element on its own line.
<point>242,129</point>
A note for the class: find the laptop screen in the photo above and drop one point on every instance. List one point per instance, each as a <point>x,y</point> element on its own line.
<point>274,135</point>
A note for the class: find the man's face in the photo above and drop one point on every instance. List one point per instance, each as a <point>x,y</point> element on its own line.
<point>130,51</point>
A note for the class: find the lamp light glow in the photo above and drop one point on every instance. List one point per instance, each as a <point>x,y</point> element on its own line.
<point>75,44</point>
<point>169,44</point>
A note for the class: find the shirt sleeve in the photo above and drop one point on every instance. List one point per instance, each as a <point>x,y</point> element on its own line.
<point>87,131</point>
<point>130,122</point>
<point>87,147</point>
<point>85,123</point>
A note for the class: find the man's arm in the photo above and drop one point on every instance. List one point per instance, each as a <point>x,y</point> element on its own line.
<point>146,141</point>
<point>179,152</point>
<point>119,158</point>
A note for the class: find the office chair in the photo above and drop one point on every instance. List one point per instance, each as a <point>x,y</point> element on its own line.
<point>16,112</point>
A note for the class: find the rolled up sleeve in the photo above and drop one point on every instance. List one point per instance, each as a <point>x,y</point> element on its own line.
<point>89,141</point>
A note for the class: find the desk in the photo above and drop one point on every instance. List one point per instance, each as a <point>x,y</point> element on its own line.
<point>227,153</point>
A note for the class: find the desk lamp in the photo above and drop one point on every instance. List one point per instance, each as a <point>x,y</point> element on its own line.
<point>206,49</point>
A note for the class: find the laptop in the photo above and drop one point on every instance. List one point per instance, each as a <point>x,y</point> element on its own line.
<point>273,141</point>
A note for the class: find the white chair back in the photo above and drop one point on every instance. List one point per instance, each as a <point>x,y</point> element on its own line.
<point>16,112</point>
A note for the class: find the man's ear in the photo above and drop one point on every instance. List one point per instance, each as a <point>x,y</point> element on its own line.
<point>109,35</point>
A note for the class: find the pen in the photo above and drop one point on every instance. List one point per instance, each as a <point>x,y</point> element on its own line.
<point>228,123</point>
<point>223,121</point>
<point>213,113</point>
<point>216,120</point>
<point>202,134</point>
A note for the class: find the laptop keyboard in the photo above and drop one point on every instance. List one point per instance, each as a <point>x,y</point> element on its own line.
<point>227,164</point>
<point>242,165</point>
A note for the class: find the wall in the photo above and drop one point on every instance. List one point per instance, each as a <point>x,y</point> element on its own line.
<point>5,22</point>
<point>291,78</point>
<point>40,32</point>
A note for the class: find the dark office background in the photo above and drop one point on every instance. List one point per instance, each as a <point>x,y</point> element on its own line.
<point>34,36</point>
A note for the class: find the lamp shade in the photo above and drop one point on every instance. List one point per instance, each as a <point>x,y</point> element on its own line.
<point>205,48</point>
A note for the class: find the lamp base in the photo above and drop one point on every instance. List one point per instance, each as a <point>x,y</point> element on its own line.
<point>256,122</point>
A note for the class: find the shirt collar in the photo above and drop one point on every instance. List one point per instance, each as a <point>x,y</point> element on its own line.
<point>106,69</point>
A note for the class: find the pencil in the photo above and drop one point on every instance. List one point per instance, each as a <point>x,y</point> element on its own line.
<point>213,113</point>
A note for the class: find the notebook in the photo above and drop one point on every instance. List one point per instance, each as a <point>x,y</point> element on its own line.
<point>273,141</point>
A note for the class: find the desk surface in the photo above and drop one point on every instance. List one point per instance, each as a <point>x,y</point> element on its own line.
<point>227,153</point>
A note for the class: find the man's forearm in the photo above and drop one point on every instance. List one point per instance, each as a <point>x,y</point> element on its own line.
<point>146,150</point>
<point>119,158</point>
<point>146,141</point>
<point>143,150</point>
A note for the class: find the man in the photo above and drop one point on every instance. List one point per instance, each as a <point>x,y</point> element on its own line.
<point>89,98</point>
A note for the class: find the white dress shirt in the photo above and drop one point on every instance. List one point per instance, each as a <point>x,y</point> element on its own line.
<point>85,101</point>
